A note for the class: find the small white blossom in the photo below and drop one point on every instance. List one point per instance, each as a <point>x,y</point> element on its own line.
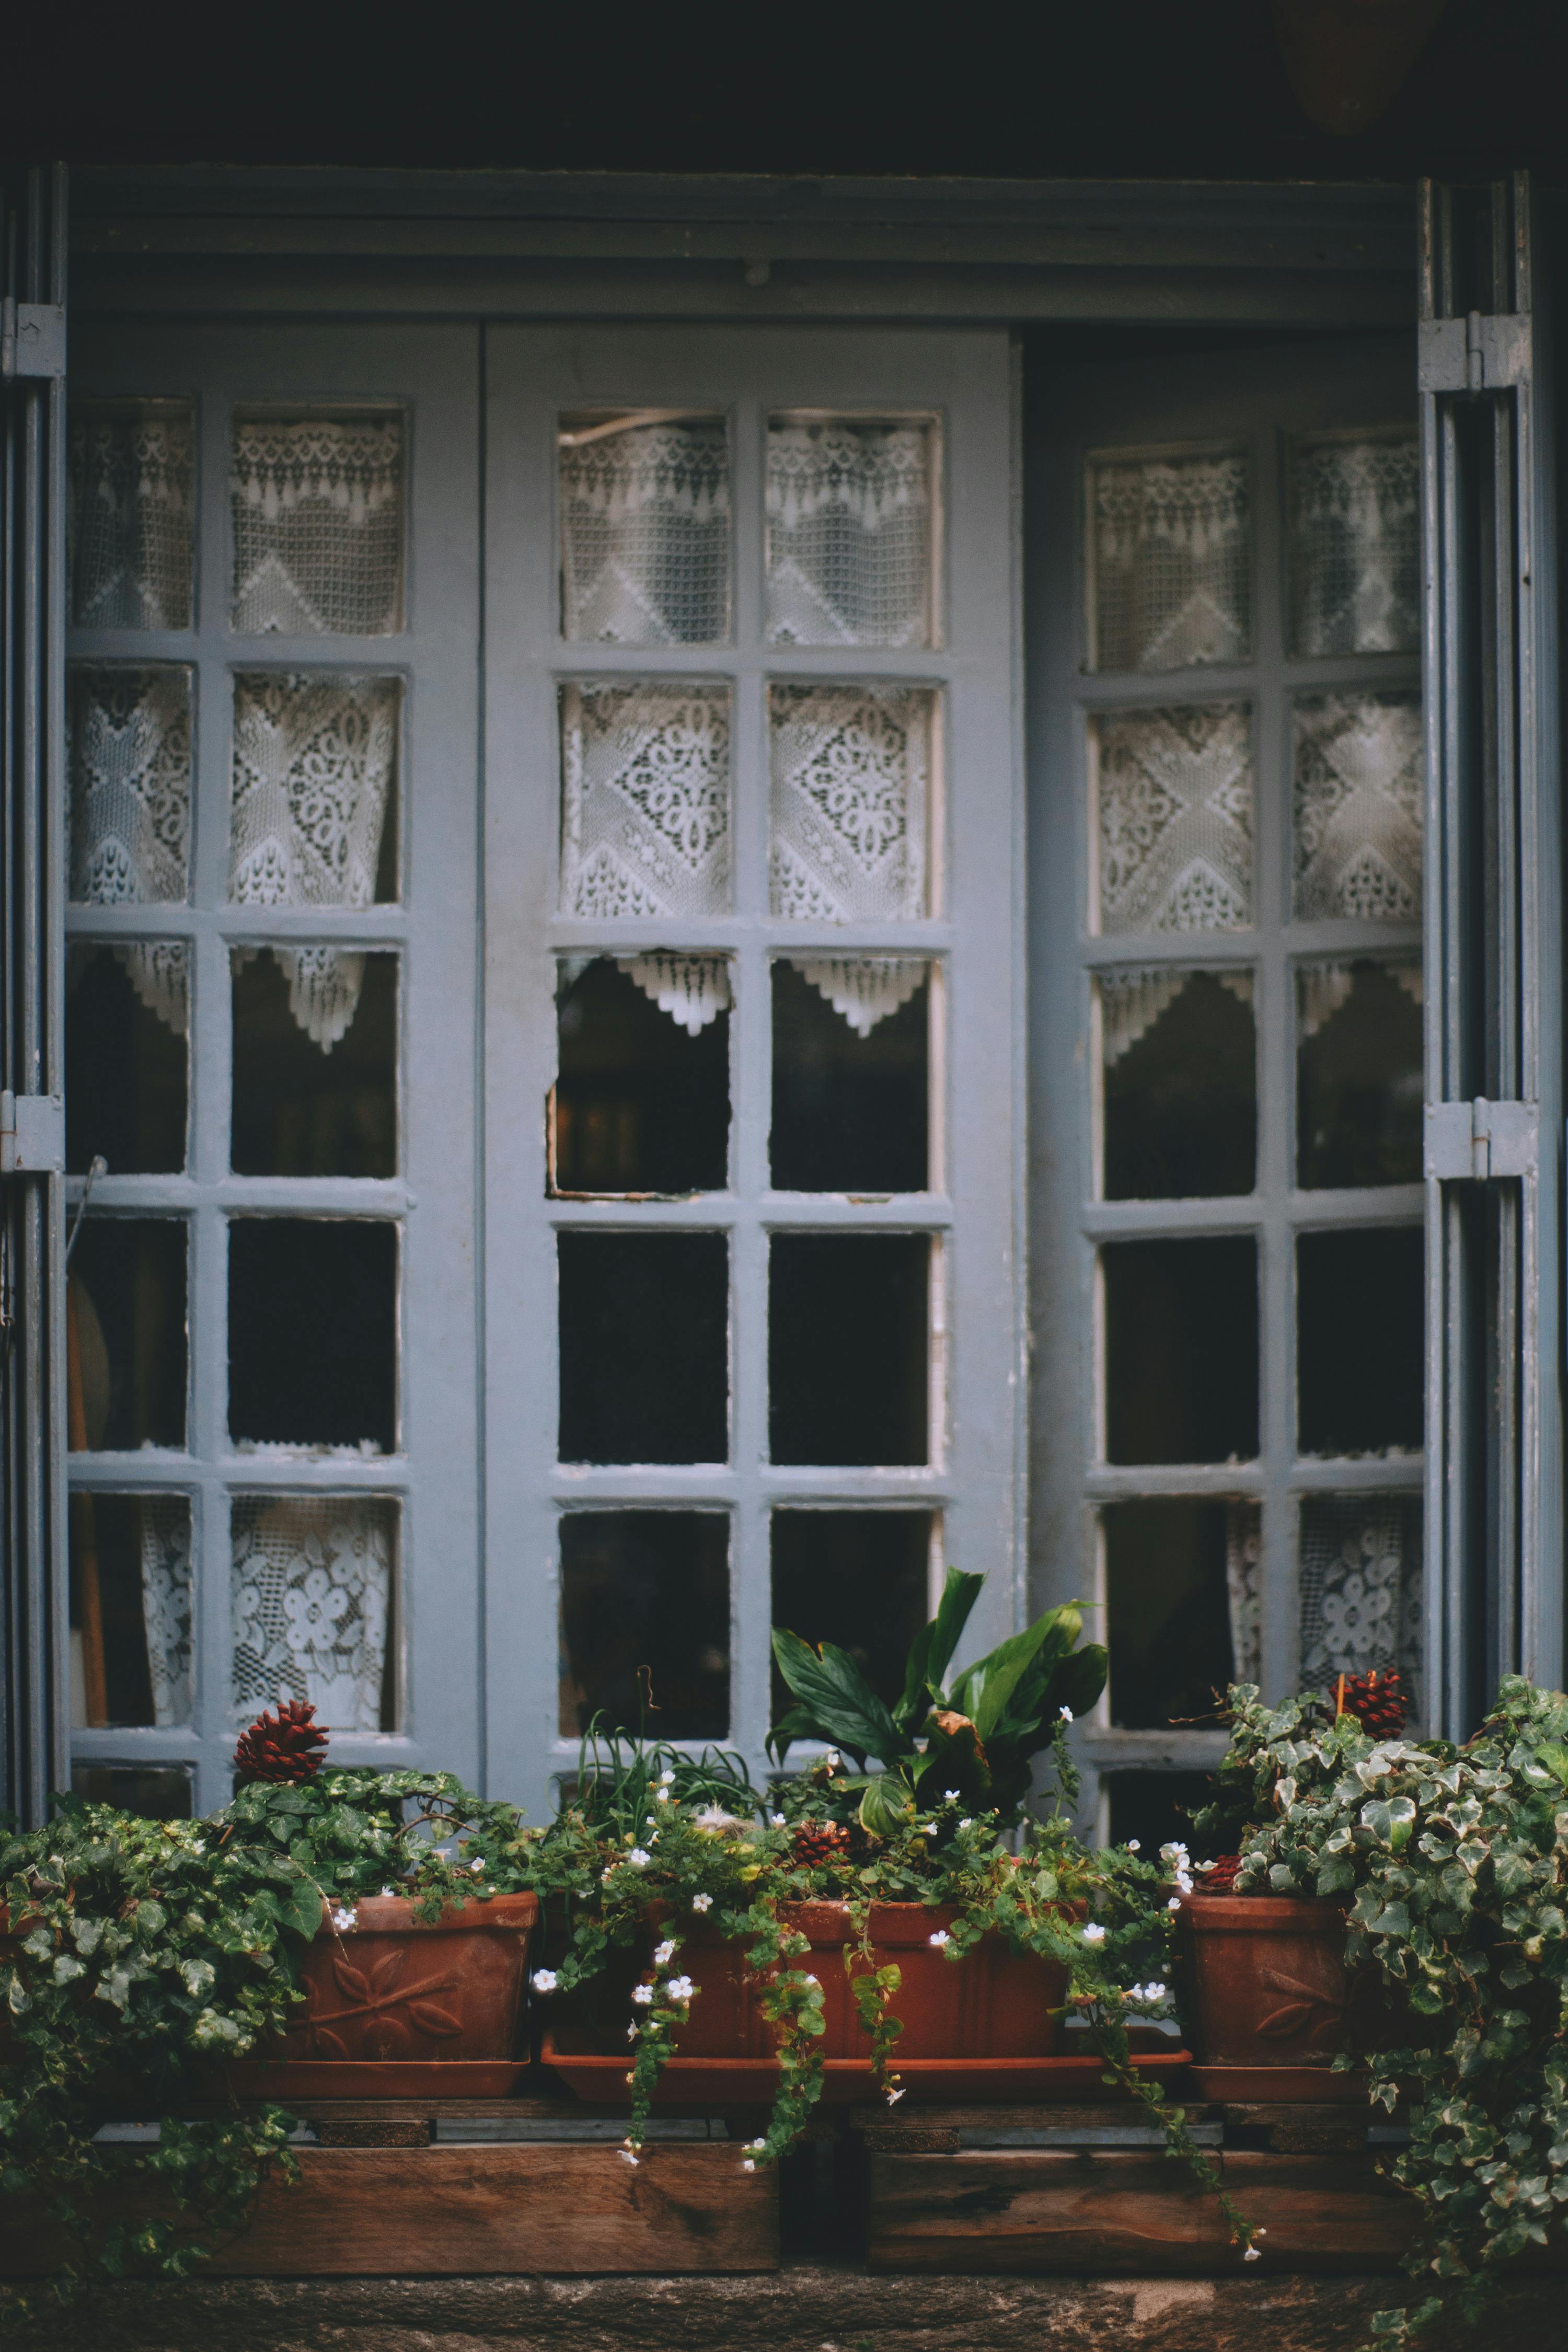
<point>949,1796</point>
<point>605,1875</point>
<point>758,2146</point>
<point>544,1979</point>
<point>747,2165</point>
<point>1174,1904</point>
<point>966,1824</point>
<point>776,1820</point>
<point>928,1828</point>
<point>389,1890</point>
<point>1094,1933</point>
<point>633,2029</point>
<point>1252,2255</point>
<point>702,1903</point>
<point>478,1869</point>
<point>664,1954</point>
<point>625,2156</point>
<point>680,1988</point>
<point>1176,1852</point>
<point>941,1940</point>
<point>833,1761</point>
<point>661,1796</point>
<point>894,2096</point>
<point>343,1919</point>
<point>1065,1714</point>
<point>666,1776</point>
<point>642,1995</point>
<point>639,1857</point>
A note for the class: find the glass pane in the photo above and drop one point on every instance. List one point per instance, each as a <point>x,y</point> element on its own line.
<point>1180,1607</point>
<point>1157,1808</point>
<point>1360,1305</point>
<point>128,756</point>
<point>1358,1071</point>
<point>851,791</point>
<point>851,1047</point>
<point>1359,793</point>
<point>1170,541</point>
<point>644,800</point>
<point>125,1334</point>
<point>642,1086</point>
<point>1181,1350</point>
<point>1356,543</point>
<point>645,1622</point>
<point>305,1105</point>
<point>159,1792</point>
<point>846,1348</point>
<point>1179,1101</point>
<point>129,1608</point>
<point>858,1578</point>
<point>313,1332</point>
<point>129,514</point>
<point>1361,1588</point>
<point>1173,821</point>
<point>318,525</point>
<point>644,1348</point>
<point>645,530</point>
<point>125,1058</point>
<point>314,815</point>
<point>850,533</point>
<point>313,1595</point>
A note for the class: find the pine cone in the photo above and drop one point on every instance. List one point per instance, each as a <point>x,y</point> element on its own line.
<point>1377,1702</point>
<point>1220,1876</point>
<point>288,1746</point>
<point>820,1842</point>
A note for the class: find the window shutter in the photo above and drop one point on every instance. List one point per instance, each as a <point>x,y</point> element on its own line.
<point>32,1239</point>
<point>1492,929</point>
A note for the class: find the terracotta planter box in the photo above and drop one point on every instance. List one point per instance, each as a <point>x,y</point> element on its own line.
<point>1265,1995</point>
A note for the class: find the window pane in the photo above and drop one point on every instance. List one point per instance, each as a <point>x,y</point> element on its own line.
<point>159,1792</point>
<point>125,1334</point>
<point>645,1622</point>
<point>645,530</point>
<point>125,1057</point>
<point>644,1348</point>
<point>1173,822</point>
<point>1179,1106</point>
<point>644,800</point>
<point>127,755</point>
<point>851,799</point>
<point>313,1332</point>
<point>858,1578</point>
<point>314,806</point>
<point>129,514</point>
<point>850,1045</point>
<point>1170,561</point>
<point>1179,1579</point>
<point>1181,1350</point>
<point>846,1348</point>
<point>1356,543</point>
<point>1361,1588</point>
<point>849,517</point>
<point>1359,1083</point>
<point>1360,1307</point>
<point>312,1597</point>
<point>318,525</point>
<point>309,1104</point>
<point>1358,789</point>
<point>642,1086</point>
<point>1157,1808</point>
<point>129,1608</point>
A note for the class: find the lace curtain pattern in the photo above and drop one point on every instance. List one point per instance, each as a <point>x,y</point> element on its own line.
<point>311,1589</point>
<point>1176,818</point>
<point>1130,1003</point>
<point>166,1604</point>
<point>851,781</point>
<point>1244,1588</point>
<point>318,525</point>
<point>645,533</point>
<point>1323,988</point>
<point>645,803</point>
<point>692,989</point>
<point>1361,1588</point>
<point>129,519</point>
<point>1170,540</point>
<point>128,761</point>
<point>849,513</point>
<point>1358,806</point>
<point>314,764</point>
<point>863,989</point>
<point>1355,546</point>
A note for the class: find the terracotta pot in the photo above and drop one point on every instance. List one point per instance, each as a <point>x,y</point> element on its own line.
<point>1263,1980</point>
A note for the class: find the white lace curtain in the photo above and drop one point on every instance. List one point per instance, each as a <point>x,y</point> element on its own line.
<point>850,803</point>
<point>695,989</point>
<point>645,531</point>
<point>848,514</point>
<point>1361,1588</point>
<point>1131,1001</point>
<point>1244,1589</point>
<point>1355,546</point>
<point>128,759</point>
<point>1175,822</point>
<point>645,801</point>
<point>318,525</point>
<point>312,1598</point>
<point>1171,544</point>
<point>131,471</point>
<point>1324,988</point>
<point>166,1604</point>
<point>1359,792</point>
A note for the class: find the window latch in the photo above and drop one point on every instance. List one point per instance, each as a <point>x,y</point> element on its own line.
<point>1474,353</point>
<point>32,1135</point>
<point>32,338</point>
<point>1477,1141</point>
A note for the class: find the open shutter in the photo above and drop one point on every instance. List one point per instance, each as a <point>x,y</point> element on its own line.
<point>32,1126</point>
<point>1493,934</point>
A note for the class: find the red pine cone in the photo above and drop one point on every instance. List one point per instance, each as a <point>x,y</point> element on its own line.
<point>1220,1876</point>
<point>288,1746</point>
<point>820,1842</point>
<point>1377,1702</point>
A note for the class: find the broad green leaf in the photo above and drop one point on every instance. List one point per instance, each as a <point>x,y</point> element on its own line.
<point>884,1805</point>
<point>299,1908</point>
<point>844,1707</point>
<point>1556,1758</point>
<point>931,1652</point>
<point>990,1681</point>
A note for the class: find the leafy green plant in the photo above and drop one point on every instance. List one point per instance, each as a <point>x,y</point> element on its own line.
<point>977,1735</point>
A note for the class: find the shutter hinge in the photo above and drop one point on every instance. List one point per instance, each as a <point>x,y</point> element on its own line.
<point>32,1135</point>
<point>1478,1140</point>
<point>1473,354</point>
<point>32,338</point>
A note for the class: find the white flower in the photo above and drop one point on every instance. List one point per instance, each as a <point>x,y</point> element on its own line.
<point>625,2155</point>
<point>833,1761</point>
<point>605,1877</point>
<point>1176,1852</point>
<point>1065,1714</point>
<point>702,1903</point>
<point>941,1940</point>
<point>1094,1933</point>
<point>544,1979</point>
<point>666,1776</point>
<point>680,1988</point>
<point>664,1954</point>
<point>639,1857</point>
<point>1174,1904</point>
<point>1134,1846</point>
<point>642,1995</point>
<point>388,1890</point>
<point>776,1820</point>
<point>661,1795</point>
<point>894,2096</point>
<point>633,2029</point>
<point>1252,2255</point>
<point>949,1796</point>
<point>928,1828</point>
<point>343,1919</point>
<point>747,2165</point>
<point>966,1824</point>
<point>478,1869</point>
<point>758,2146</point>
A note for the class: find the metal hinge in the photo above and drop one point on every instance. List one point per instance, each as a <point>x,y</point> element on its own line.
<point>1478,1140</point>
<point>32,1135</point>
<point>32,338</point>
<point>1474,353</point>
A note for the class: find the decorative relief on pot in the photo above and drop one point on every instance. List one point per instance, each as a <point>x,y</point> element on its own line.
<point>1306,2014</point>
<point>382,2015</point>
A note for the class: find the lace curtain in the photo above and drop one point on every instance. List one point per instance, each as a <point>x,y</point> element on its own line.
<point>166,1604</point>
<point>312,1594</point>
<point>128,761</point>
<point>1323,988</point>
<point>645,803</point>
<point>1355,546</point>
<point>1174,792</point>
<point>318,525</point>
<point>644,532</point>
<point>1173,577</point>
<point>695,989</point>
<point>1244,1589</point>
<point>314,763</point>
<point>131,471</point>
<point>848,514</point>
<point>692,989</point>
<point>1358,806</point>
<point>1361,1588</point>
<point>863,989</point>
<point>851,783</point>
<point>1130,1003</point>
